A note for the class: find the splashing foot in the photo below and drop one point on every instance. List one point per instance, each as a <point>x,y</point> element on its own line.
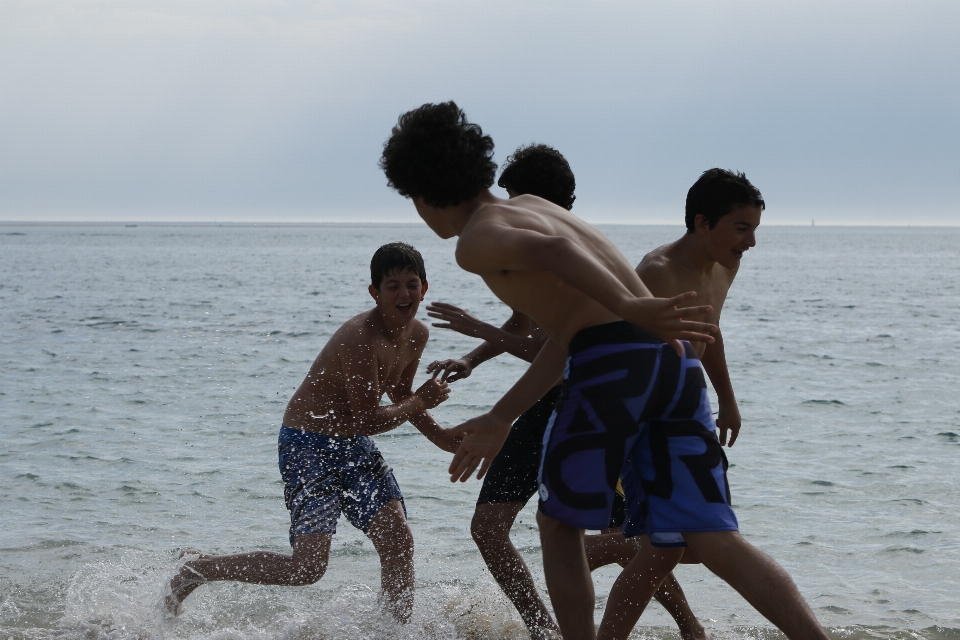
<point>183,584</point>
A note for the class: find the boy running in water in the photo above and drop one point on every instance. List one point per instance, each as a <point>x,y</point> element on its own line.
<point>512,479</point>
<point>329,463</point>
<point>722,213</point>
<point>629,394</point>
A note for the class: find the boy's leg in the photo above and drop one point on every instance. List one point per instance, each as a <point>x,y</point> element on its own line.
<point>490,529</point>
<point>307,565</point>
<point>611,547</point>
<point>391,536</point>
<point>568,577</point>
<point>671,597</point>
<point>634,587</point>
<point>760,580</point>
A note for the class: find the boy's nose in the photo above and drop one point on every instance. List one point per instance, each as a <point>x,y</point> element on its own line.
<point>752,239</point>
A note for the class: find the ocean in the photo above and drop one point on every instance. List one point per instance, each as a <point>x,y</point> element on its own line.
<point>144,370</point>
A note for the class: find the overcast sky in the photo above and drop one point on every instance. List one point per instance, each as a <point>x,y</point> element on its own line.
<point>840,112</point>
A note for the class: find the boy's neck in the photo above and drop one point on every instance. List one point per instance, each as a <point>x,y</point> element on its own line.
<point>450,221</point>
<point>691,250</point>
<point>392,330</point>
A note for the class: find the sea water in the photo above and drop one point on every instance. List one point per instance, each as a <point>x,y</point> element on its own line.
<point>145,370</point>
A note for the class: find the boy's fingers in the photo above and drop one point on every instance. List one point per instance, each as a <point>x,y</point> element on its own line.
<point>693,336</point>
<point>455,463</point>
<point>464,469</point>
<point>733,435</point>
<point>677,346</point>
<point>483,468</point>
<point>687,311</point>
<point>442,305</point>
<point>474,463</point>
<point>680,298</point>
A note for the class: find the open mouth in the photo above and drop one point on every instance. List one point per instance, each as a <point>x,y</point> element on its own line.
<point>404,308</point>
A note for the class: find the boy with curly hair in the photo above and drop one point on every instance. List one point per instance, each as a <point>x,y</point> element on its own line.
<point>328,461</point>
<point>633,401</point>
<point>539,170</point>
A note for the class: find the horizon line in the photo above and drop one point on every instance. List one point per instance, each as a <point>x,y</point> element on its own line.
<point>257,223</point>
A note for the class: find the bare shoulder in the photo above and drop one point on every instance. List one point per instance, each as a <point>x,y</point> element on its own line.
<point>355,334</point>
<point>657,268</point>
<point>420,333</point>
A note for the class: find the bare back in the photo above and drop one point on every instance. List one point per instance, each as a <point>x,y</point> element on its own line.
<point>357,366</point>
<point>492,245</point>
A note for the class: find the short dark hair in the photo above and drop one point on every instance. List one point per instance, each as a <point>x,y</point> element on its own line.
<point>395,256</point>
<point>434,153</point>
<point>542,171</point>
<point>717,193</point>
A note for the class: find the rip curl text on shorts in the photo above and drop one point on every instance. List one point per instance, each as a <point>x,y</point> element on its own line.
<point>632,407</point>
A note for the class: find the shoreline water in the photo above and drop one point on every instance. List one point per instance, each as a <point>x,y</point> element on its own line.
<point>145,370</point>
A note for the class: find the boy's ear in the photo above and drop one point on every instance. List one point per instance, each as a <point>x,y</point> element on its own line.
<point>374,293</point>
<point>701,223</point>
<point>423,291</point>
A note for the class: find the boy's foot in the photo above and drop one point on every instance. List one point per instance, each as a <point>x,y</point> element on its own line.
<point>693,634</point>
<point>182,585</point>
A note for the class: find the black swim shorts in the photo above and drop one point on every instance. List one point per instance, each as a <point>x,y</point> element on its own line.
<point>512,476</point>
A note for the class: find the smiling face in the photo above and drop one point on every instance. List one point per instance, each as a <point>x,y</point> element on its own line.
<point>399,296</point>
<point>733,234</point>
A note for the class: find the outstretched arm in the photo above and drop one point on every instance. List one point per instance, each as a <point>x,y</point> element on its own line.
<point>446,439</point>
<point>484,435</point>
<point>497,247</point>
<point>512,337</point>
<point>363,387</point>
<point>714,362</point>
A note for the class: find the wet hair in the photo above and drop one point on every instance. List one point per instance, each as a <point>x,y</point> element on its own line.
<point>717,193</point>
<point>395,256</point>
<point>541,171</point>
<point>435,154</point>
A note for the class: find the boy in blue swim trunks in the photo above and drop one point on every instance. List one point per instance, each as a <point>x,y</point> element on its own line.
<point>511,481</point>
<point>633,400</point>
<point>328,462</point>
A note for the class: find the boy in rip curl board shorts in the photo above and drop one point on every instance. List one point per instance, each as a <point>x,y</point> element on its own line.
<point>328,462</point>
<point>625,361</point>
<point>542,171</point>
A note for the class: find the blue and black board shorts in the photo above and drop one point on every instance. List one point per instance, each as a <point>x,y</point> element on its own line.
<point>513,474</point>
<point>631,408</point>
<point>324,476</point>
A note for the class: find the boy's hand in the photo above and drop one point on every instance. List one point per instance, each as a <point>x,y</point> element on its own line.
<point>449,439</point>
<point>432,393</point>
<point>728,419</point>
<point>457,319</point>
<point>453,369</point>
<point>662,317</point>
<point>482,438</point>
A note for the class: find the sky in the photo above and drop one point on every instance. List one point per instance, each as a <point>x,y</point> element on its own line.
<point>272,111</point>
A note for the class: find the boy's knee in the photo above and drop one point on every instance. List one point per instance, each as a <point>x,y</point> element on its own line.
<point>310,572</point>
<point>485,529</point>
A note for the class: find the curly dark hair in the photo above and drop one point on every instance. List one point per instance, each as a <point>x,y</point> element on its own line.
<point>435,154</point>
<point>395,256</point>
<point>717,193</point>
<point>542,171</point>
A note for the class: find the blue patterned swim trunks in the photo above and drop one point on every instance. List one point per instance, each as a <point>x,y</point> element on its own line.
<point>324,476</point>
<point>631,408</point>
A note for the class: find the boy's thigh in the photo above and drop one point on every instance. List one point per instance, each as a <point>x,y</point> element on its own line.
<point>312,547</point>
<point>388,530</point>
<point>367,487</point>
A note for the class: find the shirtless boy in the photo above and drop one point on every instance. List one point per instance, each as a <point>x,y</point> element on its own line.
<point>621,381</point>
<point>722,212</point>
<point>511,481</point>
<point>329,463</point>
